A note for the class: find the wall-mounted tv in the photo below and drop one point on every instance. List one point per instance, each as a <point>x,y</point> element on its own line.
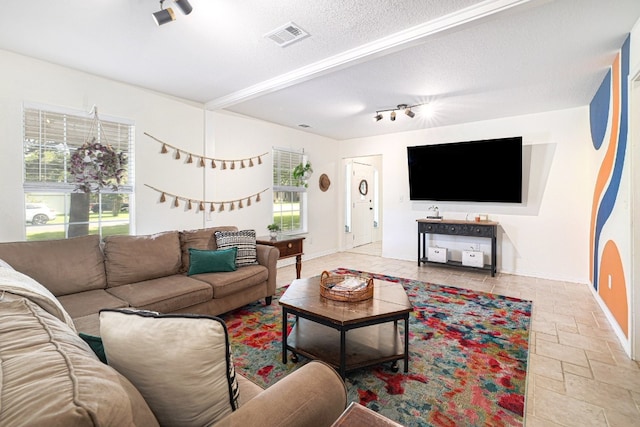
<point>473,171</point>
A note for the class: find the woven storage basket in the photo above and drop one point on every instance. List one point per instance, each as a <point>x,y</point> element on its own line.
<point>328,282</point>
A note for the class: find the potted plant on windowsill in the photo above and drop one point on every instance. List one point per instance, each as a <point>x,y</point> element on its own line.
<point>302,172</point>
<point>273,230</point>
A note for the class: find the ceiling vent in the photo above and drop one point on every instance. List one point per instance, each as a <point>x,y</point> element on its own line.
<point>287,34</point>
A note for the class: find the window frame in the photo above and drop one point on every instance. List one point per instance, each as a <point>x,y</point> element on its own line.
<point>284,186</point>
<point>60,187</point>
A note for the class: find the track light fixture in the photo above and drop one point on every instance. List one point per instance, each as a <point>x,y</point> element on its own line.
<point>164,16</point>
<point>409,113</point>
<point>404,107</point>
<point>184,6</point>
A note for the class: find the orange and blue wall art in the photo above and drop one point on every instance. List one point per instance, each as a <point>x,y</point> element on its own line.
<point>609,251</point>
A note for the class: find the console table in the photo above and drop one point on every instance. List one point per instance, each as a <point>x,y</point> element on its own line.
<point>485,229</point>
<point>289,246</point>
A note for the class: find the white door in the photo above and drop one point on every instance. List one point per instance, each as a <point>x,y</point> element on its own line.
<point>362,199</point>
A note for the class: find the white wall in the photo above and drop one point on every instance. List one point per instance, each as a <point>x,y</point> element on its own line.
<point>546,236</point>
<point>234,136</point>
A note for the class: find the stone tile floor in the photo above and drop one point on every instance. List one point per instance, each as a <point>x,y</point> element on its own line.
<point>578,373</point>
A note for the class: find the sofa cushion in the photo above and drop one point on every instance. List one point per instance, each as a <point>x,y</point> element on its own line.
<point>165,294</point>
<point>205,261</point>
<point>63,266</point>
<point>181,364</point>
<point>130,259</point>
<point>50,377</point>
<point>244,240</point>
<point>225,284</point>
<point>85,303</point>
<point>199,239</point>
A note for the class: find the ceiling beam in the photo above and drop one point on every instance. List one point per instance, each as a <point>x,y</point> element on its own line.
<point>383,46</point>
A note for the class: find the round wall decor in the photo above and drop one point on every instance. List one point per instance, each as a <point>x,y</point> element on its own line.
<point>324,182</point>
<point>363,187</point>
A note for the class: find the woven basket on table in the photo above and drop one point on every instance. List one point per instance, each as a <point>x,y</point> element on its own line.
<point>328,281</point>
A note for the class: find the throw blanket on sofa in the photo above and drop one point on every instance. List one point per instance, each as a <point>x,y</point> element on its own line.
<point>17,283</point>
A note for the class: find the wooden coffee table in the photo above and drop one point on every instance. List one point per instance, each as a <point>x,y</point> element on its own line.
<point>347,335</point>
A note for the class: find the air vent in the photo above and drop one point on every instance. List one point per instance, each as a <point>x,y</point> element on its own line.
<point>287,34</point>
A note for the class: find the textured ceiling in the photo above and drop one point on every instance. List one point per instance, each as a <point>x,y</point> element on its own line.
<point>469,60</point>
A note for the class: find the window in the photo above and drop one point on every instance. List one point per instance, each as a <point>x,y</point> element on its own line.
<point>289,196</point>
<point>53,209</point>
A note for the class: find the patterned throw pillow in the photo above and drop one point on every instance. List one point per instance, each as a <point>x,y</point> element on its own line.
<point>244,240</point>
<point>180,363</point>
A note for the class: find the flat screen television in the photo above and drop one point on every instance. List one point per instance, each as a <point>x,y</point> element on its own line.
<point>473,171</point>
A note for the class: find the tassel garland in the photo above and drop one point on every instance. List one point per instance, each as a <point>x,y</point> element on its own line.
<point>212,203</point>
<point>165,149</point>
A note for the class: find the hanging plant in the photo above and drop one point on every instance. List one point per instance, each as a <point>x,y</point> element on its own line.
<point>95,166</point>
<point>302,172</point>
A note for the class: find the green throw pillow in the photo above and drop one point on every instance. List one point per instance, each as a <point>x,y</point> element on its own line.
<point>96,345</point>
<point>204,261</point>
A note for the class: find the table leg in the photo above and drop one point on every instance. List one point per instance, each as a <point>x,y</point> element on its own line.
<point>298,265</point>
<point>284,336</point>
<point>406,344</point>
<point>343,350</point>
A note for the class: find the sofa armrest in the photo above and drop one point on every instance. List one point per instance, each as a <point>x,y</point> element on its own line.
<point>268,256</point>
<point>313,395</point>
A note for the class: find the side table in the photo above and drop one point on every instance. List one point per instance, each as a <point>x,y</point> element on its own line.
<point>289,246</point>
<point>357,415</point>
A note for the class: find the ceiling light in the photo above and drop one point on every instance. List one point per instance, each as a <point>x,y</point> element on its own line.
<point>184,6</point>
<point>164,16</point>
<point>400,107</point>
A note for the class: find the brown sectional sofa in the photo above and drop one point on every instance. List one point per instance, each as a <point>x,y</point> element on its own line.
<point>144,272</point>
<point>50,376</point>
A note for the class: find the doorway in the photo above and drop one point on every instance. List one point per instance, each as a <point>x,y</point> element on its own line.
<point>363,222</point>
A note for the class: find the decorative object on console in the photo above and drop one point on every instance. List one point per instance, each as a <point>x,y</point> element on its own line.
<point>201,203</point>
<point>204,159</point>
<point>435,212</point>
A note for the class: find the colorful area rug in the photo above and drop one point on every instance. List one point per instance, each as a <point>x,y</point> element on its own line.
<point>467,363</point>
